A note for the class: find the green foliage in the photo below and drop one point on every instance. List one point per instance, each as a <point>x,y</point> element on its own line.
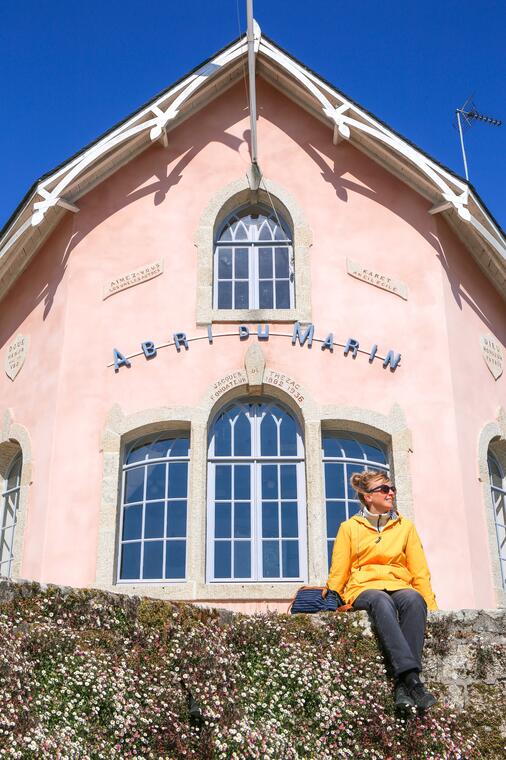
<point>91,675</point>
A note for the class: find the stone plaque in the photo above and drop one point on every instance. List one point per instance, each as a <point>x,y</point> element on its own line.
<point>16,355</point>
<point>492,353</point>
<point>285,383</point>
<point>232,380</point>
<point>133,278</point>
<point>375,278</point>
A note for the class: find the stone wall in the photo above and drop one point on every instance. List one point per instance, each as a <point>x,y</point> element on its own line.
<point>465,653</point>
<point>464,656</point>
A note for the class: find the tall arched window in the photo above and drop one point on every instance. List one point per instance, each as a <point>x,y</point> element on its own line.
<point>256,526</point>
<point>253,261</point>
<point>9,510</point>
<point>498,486</point>
<point>154,510</point>
<point>344,454</point>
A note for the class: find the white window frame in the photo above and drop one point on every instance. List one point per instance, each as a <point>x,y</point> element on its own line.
<point>146,440</point>
<point>252,245</point>
<point>501,491</point>
<point>255,497</point>
<point>10,493</point>
<point>345,461</point>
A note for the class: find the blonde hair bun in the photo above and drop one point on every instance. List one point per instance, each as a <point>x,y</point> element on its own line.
<point>361,481</point>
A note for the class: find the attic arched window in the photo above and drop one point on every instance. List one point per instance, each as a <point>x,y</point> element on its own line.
<point>253,261</point>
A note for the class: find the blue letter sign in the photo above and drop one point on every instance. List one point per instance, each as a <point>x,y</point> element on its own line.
<point>119,360</point>
<point>298,335</point>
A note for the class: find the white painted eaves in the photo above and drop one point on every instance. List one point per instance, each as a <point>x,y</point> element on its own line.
<point>58,192</point>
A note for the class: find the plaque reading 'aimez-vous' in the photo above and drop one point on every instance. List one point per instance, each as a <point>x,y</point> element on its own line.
<point>16,355</point>
<point>382,281</point>
<point>492,353</point>
<point>133,278</point>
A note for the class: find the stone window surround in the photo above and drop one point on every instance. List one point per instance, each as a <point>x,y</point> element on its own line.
<point>120,430</point>
<point>220,206</point>
<point>14,439</point>
<point>493,438</point>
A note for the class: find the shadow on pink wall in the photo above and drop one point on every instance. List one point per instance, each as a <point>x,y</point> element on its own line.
<point>466,281</point>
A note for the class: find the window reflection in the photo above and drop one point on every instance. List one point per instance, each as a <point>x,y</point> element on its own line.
<point>344,454</point>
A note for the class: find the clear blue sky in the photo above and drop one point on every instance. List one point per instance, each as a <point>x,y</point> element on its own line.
<point>71,69</point>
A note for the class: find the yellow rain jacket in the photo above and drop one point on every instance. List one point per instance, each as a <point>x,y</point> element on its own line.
<point>392,559</point>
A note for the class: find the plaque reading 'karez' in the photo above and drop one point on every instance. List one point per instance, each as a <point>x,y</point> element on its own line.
<point>16,355</point>
<point>133,278</point>
<point>375,278</point>
<point>492,353</point>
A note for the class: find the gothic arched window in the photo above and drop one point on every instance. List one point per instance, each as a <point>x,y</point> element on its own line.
<point>256,519</point>
<point>253,261</point>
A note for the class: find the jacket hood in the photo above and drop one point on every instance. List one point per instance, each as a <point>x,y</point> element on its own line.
<point>394,517</point>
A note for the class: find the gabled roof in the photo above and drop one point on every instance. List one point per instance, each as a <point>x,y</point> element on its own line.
<point>58,192</point>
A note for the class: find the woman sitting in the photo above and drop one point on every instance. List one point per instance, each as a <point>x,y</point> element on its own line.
<point>378,565</point>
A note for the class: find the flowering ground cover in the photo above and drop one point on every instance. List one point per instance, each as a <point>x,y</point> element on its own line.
<point>91,675</point>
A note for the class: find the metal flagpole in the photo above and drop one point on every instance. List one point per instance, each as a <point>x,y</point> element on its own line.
<point>255,169</point>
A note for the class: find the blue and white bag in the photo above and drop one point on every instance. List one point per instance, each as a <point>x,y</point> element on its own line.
<point>312,599</point>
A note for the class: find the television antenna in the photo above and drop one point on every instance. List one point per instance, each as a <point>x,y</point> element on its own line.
<point>466,115</point>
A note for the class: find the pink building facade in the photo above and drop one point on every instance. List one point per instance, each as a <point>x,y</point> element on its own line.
<point>195,363</point>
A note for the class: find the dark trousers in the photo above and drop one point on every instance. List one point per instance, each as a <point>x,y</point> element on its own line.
<point>399,619</point>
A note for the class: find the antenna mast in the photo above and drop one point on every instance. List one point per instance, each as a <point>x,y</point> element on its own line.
<point>468,113</point>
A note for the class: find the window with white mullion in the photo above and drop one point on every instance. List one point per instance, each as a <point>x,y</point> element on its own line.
<point>224,460</point>
<point>7,527</point>
<point>280,521</point>
<point>275,289</point>
<point>498,492</point>
<point>232,520</point>
<point>9,504</point>
<point>159,460</point>
<point>153,525</point>
<point>253,280</point>
<point>343,454</point>
<point>266,295</point>
<point>253,262</point>
<point>256,501</point>
<point>232,274</point>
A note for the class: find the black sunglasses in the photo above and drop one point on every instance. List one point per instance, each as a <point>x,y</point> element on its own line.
<point>383,488</point>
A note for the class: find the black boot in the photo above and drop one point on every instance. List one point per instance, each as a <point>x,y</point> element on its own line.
<point>403,699</point>
<point>422,698</point>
